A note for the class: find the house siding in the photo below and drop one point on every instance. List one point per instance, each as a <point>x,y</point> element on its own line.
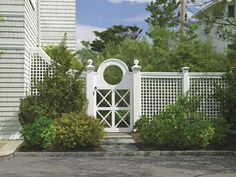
<point>18,32</point>
<point>57,17</point>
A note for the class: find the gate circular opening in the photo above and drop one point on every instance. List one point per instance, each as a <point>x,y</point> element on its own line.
<point>113,75</point>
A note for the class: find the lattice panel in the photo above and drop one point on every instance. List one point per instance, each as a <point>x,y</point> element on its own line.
<point>156,93</point>
<point>113,108</point>
<point>38,68</point>
<point>204,87</point>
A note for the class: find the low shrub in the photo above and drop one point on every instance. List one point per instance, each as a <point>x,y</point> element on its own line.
<point>77,130</point>
<point>179,126</point>
<point>222,130</point>
<point>227,98</point>
<point>30,110</point>
<point>40,134</point>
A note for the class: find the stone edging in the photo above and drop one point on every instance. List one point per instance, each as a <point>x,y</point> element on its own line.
<point>128,153</point>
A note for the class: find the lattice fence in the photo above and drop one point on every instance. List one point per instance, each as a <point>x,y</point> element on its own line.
<point>158,91</point>
<point>203,86</point>
<point>39,66</point>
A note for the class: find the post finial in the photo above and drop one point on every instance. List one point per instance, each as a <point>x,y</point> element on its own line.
<point>136,62</point>
<point>136,67</point>
<point>90,62</point>
<point>90,66</point>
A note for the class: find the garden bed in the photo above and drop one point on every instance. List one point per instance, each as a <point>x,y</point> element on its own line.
<point>24,148</point>
<point>230,145</point>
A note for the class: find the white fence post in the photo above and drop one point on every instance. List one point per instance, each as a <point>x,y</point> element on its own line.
<point>90,88</point>
<point>136,91</point>
<point>185,79</point>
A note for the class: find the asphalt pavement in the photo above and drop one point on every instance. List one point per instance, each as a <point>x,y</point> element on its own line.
<point>124,166</point>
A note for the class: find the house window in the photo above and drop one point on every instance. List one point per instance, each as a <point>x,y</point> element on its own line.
<point>231,11</point>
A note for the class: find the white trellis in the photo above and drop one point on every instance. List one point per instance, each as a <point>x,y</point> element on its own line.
<point>151,92</point>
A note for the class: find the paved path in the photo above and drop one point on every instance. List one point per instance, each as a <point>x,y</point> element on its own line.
<point>118,142</point>
<point>119,167</point>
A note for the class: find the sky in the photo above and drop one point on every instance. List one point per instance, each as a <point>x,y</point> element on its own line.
<point>97,15</point>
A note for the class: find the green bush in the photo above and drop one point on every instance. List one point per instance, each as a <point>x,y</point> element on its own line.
<point>227,98</point>
<point>60,93</point>
<point>179,126</point>
<point>222,130</point>
<point>30,110</point>
<point>77,130</point>
<point>40,134</point>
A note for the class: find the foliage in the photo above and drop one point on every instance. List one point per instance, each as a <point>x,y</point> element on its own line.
<point>112,78</point>
<point>30,110</point>
<point>163,13</point>
<point>179,126</point>
<point>215,17</point>
<point>60,93</point>
<point>40,134</point>
<point>127,51</point>
<point>222,130</point>
<point>165,53</point>
<point>232,52</point>
<point>115,34</point>
<point>62,55</point>
<point>172,54</point>
<point>77,130</point>
<point>227,98</point>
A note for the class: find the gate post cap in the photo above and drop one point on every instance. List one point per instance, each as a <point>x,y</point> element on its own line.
<point>90,62</point>
<point>136,67</point>
<point>90,66</point>
<point>185,69</point>
<point>136,62</point>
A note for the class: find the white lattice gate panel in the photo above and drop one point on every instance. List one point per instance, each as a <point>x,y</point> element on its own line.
<point>157,92</point>
<point>113,108</point>
<point>122,113</point>
<point>104,104</point>
<point>203,87</point>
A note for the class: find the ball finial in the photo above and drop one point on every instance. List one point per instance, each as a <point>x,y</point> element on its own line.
<point>90,61</point>
<point>136,62</point>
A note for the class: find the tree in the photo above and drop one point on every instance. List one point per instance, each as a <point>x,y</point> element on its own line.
<point>216,17</point>
<point>227,98</point>
<point>171,54</point>
<point>60,93</point>
<point>115,34</point>
<point>63,55</point>
<point>163,13</point>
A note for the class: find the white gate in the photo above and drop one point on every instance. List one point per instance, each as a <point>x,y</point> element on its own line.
<point>113,101</point>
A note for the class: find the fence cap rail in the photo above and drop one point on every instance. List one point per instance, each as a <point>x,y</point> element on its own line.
<point>161,75</point>
<point>206,74</point>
